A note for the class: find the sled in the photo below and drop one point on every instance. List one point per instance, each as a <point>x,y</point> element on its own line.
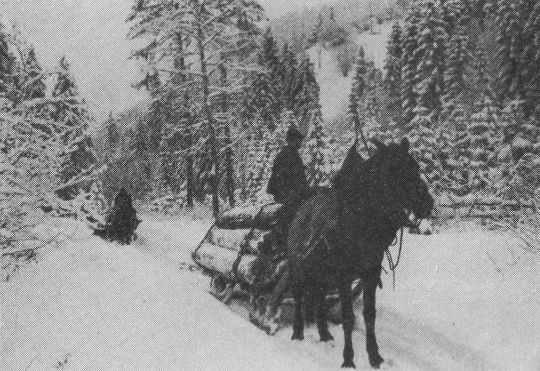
<point>244,261</point>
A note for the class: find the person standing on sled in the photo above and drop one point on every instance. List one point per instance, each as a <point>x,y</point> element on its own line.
<point>288,183</point>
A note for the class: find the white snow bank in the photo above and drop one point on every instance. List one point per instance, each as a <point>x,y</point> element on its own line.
<point>462,301</point>
<point>90,305</point>
<point>474,293</point>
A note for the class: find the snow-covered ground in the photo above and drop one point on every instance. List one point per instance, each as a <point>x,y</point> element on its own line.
<point>462,301</point>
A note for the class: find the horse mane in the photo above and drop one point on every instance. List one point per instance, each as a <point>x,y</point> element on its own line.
<point>352,179</point>
<point>353,165</point>
<point>358,183</point>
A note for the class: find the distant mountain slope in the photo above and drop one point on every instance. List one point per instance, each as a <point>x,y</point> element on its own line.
<point>335,88</point>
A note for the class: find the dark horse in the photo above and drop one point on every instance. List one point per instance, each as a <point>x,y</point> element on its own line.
<point>371,200</point>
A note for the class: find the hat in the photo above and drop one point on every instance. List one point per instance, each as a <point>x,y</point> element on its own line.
<point>294,134</point>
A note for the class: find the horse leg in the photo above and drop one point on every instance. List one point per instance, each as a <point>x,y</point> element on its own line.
<point>372,348</point>
<point>322,324</point>
<point>298,326</point>
<point>345,293</point>
<point>309,300</point>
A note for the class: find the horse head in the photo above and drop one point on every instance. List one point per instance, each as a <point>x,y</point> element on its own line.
<point>401,181</point>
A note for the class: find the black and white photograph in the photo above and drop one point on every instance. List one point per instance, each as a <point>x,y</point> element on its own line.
<point>245,185</point>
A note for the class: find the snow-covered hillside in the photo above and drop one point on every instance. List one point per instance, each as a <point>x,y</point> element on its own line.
<point>335,88</point>
<point>462,301</point>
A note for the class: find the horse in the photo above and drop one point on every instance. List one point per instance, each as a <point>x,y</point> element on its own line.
<point>341,235</point>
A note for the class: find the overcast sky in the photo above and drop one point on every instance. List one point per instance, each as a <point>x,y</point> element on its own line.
<point>92,35</point>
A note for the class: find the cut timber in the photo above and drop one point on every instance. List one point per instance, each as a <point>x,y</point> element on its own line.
<point>252,269</point>
<point>261,217</point>
<point>216,258</point>
<point>234,239</point>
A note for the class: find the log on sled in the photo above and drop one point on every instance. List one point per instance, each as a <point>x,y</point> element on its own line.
<point>264,218</point>
<point>254,270</point>
<point>243,259</point>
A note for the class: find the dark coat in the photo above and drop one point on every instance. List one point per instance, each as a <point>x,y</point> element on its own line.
<point>122,220</point>
<point>288,182</point>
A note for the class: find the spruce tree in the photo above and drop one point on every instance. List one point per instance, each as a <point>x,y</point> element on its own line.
<point>34,80</point>
<point>474,151</point>
<point>409,96</point>
<point>306,94</point>
<point>70,109</point>
<point>393,67</point>
<point>7,61</point>
<point>316,32</point>
<point>258,164</point>
<point>139,149</point>
<point>113,136</point>
<point>483,140</point>
<point>510,47</point>
<point>424,148</point>
<point>317,151</point>
<point>458,58</point>
<point>262,97</point>
<point>430,54</point>
<point>287,71</point>
<point>531,58</point>
<point>372,101</point>
<point>359,87</point>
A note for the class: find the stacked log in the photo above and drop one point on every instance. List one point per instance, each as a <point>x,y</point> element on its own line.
<point>260,217</point>
<point>246,230</point>
<point>234,239</point>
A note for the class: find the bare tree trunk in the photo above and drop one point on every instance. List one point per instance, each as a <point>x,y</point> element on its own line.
<point>229,171</point>
<point>188,135</point>
<point>189,168</point>
<point>207,114</point>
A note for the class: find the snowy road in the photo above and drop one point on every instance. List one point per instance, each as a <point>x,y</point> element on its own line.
<point>89,305</point>
<point>406,343</point>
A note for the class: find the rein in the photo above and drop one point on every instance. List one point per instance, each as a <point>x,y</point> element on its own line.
<point>393,266</point>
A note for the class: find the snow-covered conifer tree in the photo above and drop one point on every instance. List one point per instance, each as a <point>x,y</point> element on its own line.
<point>393,67</point>
<point>113,136</point>
<point>430,54</point>
<point>409,96</point>
<point>476,142</point>
<point>424,148</point>
<point>68,108</point>
<point>318,151</point>
<point>263,95</point>
<point>358,89</point>
<point>510,47</point>
<point>33,84</point>
<point>7,61</point>
<point>287,71</point>
<point>214,35</point>
<point>306,94</point>
<point>455,75</point>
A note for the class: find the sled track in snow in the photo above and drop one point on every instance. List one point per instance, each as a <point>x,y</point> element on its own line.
<point>404,343</point>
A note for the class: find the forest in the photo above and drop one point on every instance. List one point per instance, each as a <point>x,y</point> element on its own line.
<point>460,80</point>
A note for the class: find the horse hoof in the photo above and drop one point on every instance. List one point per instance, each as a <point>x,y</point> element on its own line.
<point>348,364</point>
<point>327,337</point>
<point>376,361</point>
<point>298,336</point>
